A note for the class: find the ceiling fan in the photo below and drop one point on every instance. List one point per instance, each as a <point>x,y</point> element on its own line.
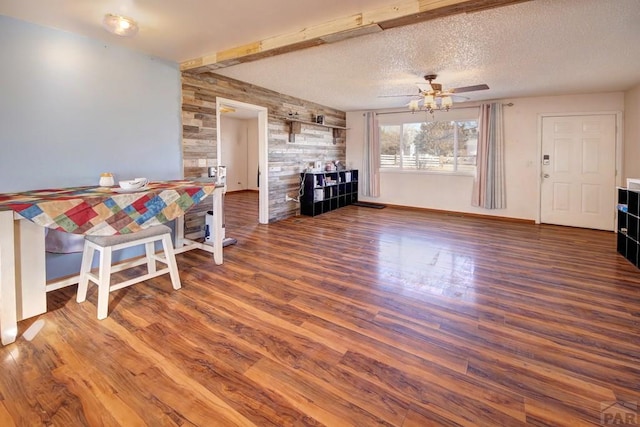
<point>432,97</point>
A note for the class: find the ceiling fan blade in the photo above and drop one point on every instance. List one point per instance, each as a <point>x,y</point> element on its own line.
<point>469,88</point>
<point>459,97</point>
<point>396,96</point>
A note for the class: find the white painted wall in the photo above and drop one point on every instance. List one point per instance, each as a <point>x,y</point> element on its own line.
<point>239,152</point>
<point>631,163</point>
<point>73,107</point>
<point>252,154</point>
<point>233,151</point>
<point>453,192</point>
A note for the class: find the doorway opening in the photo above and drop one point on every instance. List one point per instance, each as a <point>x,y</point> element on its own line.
<point>242,146</point>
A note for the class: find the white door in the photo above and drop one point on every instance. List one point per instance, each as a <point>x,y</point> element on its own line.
<point>578,171</point>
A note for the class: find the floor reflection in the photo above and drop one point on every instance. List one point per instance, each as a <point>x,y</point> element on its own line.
<point>436,269</point>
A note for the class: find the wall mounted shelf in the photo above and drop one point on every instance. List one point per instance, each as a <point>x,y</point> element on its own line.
<point>324,125</point>
<point>295,127</point>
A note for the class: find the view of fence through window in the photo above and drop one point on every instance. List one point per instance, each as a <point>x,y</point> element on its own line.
<point>445,146</point>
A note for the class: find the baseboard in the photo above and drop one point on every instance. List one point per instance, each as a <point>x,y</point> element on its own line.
<point>463,214</point>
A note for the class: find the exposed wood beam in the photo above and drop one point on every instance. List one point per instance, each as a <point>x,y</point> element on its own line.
<point>404,13</point>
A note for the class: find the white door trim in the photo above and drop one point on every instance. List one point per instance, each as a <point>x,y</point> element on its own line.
<point>263,150</point>
<point>618,154</point>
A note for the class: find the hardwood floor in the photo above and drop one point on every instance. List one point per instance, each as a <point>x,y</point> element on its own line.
<point>355,317</point>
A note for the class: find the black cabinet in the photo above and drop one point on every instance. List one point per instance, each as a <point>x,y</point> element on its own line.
<point>325,191</point>
<point>629,225</point>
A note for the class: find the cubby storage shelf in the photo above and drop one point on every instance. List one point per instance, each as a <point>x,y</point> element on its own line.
<point>629,225</point>
<point>325,191</point>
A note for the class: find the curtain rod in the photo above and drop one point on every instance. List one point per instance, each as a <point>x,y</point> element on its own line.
<point>508,104</point>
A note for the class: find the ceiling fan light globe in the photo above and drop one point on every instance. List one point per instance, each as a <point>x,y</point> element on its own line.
<point>447,102</point>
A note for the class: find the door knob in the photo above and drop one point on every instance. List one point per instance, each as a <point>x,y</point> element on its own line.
<point>546,175</point>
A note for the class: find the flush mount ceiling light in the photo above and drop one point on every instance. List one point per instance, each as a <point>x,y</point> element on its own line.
<point>120,25</point>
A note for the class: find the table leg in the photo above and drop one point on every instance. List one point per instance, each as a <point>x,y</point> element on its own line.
<point>179,232</point>
<point>8,305</point>
<point>184,244</point>
<point>217,225</point>
<point>31,275</point>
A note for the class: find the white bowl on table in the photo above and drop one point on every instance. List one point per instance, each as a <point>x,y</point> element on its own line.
<point>133,184</point>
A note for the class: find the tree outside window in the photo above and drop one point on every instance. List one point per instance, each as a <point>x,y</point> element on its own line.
<point>440,146</point>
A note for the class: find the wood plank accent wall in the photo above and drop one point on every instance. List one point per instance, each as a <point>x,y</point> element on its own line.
<point>286,159</point>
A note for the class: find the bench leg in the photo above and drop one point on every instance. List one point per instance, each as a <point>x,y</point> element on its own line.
<point>104,279</point>
<point>170,256</point>
<point>150,250</point>
<point>85,268</point>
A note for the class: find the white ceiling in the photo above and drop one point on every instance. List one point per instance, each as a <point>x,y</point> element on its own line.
<point>541,47</point>
<point>179,30</point>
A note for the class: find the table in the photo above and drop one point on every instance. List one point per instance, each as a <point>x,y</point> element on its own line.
<point>84,210</point>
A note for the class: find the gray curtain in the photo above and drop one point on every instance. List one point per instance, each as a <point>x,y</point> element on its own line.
<point>489,185</point>
<point>370,178</point>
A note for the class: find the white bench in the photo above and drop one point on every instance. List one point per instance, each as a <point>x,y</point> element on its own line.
<point>105,245</point>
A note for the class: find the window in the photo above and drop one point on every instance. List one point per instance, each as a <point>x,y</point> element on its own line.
<point>434,146</point>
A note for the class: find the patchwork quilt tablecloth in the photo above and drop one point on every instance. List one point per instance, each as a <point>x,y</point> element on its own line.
<point>105,211</point>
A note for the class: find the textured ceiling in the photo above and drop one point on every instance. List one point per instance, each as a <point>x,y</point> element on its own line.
<point>541,47</point>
